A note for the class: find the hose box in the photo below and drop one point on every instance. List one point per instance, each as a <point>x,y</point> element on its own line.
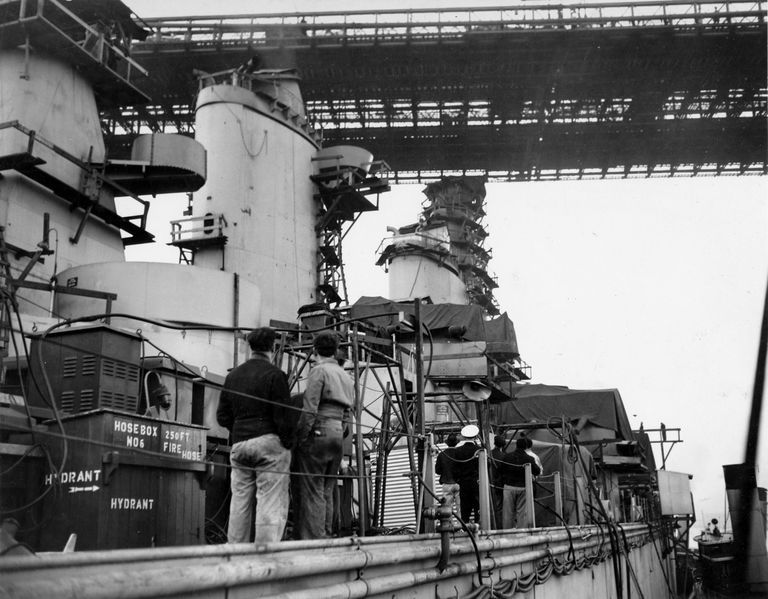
<point>127,481</point>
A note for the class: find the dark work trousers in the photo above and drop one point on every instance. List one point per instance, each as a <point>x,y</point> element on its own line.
<point>318,460</point>
<point>497,496</point>
<point>469,491</point>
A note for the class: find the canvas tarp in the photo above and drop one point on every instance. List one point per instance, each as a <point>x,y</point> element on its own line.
<point>498,333</point>
<point>500,336</point>
<point>561,458</point>
<point>601,408</point>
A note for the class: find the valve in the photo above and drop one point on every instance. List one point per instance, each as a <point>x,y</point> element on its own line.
<point>444,516</point>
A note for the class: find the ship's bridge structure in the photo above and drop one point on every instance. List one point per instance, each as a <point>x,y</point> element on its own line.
<point>528,91</point>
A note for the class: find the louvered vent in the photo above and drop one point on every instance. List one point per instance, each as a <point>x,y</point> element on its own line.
<point>108,367</point>
<point>86,400</point>
<point>68,401</point>
<point>119,370</point>
<point>88,367</point>
<point>69,367</point>
<point>118,401</point>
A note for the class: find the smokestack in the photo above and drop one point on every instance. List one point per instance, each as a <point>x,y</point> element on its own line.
<point>744,503</point>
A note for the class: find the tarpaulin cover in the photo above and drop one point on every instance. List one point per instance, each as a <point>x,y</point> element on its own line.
<point>538,403</point>
<point>646,452</point>
<point>498,332</point>
<point>500,336</point>
<point>562,458</point>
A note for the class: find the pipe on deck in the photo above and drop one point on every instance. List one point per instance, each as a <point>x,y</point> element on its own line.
<point>406,580</point>
<point>203,570</point>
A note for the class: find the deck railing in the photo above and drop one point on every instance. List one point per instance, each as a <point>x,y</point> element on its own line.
<point>456,24</point>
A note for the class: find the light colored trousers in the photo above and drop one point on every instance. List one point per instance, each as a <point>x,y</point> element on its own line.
<point>261,475</point>
<point>513,512</point>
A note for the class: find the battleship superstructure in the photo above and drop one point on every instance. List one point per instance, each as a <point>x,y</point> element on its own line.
<point>112,369</point>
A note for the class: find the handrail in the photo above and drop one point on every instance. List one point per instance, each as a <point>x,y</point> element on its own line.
<point>86,167</point>
<point>68,24</point>
<point>198,227</point>
<point>88,170</point>
<point>414,24</point>
<point>455,10</point>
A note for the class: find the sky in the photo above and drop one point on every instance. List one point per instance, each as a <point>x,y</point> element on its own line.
<point>654,287</point>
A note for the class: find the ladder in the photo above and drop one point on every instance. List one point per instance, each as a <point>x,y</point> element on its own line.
<point>8,297</point>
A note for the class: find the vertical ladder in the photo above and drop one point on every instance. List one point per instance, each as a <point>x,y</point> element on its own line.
<point>6,288</point>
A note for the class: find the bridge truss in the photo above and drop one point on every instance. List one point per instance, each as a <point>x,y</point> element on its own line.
<point>518,93</point>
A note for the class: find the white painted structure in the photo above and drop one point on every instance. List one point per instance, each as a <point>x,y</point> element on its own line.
<point>421,266</point>
<point>422,276</point>
<point>173,293</point>
<point>259,166</point>
<point>52,98</point>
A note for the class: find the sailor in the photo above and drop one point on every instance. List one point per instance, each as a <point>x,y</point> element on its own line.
<point>465,469</point>
<point>497,486</point>
<point>511,469</point>
<point>255,406</point>
<point>328,400</point>
<point>444,469</point>
<point>715,529</point>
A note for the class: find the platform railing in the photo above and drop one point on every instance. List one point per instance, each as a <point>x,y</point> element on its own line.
<point>198,228</point>
<point>425,25</point>
<point>104,46</point>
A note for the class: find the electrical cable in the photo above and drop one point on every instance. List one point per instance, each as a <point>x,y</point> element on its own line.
<point>177,363</point>
<point>40,306</point>
<point>18,363</point>
<point>13,546</point>
<point>474,544</point>
<point>630,568</point>
<point>29,450</point>
<point>611,532</point>
<point>172,457</point>
<point>571,552</point>
<point>189,369</point>
<point>661,562</point>
<point>52,488</point>
<point>220,387</point>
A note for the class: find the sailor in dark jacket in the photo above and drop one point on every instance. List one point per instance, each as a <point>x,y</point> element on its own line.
<point>511,470</point>
<point>255,406</point>
<point>465,471</point>
<point>444,469</point>
<point>497,486</point>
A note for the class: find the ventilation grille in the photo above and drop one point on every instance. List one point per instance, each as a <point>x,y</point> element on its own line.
<point>86,400</point>
<point>118,401</point>
<point>88,367</point>
<point>68,401</point>
<point>69,368</point>
<point>119,370</point>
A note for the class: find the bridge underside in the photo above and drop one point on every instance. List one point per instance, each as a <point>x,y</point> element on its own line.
<point>556,102</point>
